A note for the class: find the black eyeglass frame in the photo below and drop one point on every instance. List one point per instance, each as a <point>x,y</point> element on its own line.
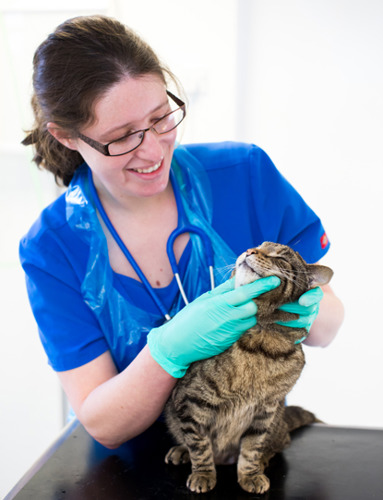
<point>104,148</point>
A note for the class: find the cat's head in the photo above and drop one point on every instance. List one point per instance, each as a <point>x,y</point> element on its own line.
<point>274,259</point>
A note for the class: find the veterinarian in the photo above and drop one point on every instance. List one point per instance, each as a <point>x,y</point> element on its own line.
<point>106,117</point>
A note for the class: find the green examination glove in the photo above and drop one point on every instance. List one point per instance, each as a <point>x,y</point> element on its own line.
<point>307,307</point>
<point>207,326</point>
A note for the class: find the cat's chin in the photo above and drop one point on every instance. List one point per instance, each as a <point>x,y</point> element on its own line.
<point>245,275</point>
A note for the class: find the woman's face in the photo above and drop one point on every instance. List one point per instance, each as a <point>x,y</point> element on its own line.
<point>130,105</point>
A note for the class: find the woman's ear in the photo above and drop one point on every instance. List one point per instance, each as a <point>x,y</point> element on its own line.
<point>62,136</point>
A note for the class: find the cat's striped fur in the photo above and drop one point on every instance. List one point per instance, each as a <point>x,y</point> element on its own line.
<point>231,407</point>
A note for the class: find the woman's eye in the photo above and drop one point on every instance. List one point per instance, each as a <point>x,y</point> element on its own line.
<point>124,137</point>
<point>121,139</point>
<point>155,120</point>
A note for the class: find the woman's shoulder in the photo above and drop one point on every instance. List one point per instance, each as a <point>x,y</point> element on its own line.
<point>51,218</point>
<point>49,234</point>
<point>227,154</point>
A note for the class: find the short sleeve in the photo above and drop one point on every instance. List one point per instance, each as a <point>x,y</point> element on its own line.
<point>69,331</point>
<point>253,202</point>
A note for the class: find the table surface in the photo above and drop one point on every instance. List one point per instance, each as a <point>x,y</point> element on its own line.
<point>322,463</point>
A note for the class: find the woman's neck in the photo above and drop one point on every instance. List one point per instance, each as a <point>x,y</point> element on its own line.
<point>144,227</point>
<point>135,207</point>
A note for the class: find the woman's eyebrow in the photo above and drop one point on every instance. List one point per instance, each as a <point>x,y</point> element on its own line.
<point>125,125</point>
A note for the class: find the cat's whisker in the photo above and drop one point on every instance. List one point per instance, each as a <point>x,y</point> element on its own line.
<point>225,271</point>
<point>229,267</point>
<point>294,279</point>
<point>285,273</point>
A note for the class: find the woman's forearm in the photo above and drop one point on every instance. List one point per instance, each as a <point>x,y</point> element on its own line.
<point>128,403</point>
<point>328,321</point>
<point>122,405</point>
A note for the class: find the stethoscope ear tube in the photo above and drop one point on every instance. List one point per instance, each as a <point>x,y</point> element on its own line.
<point>188,228</point>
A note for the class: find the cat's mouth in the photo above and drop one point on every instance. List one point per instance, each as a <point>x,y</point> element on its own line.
<point>244,271</point>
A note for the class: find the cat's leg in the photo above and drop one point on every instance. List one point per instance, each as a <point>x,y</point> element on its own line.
<point>203,477</point>
<point>255,451</point>
<point>177,455</point>
<point>279,437</point>
<point>251,464</point>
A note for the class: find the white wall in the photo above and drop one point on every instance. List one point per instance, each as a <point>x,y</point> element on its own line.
<point>314,82</point>
<point>300,78</point>
<point>31,402</point>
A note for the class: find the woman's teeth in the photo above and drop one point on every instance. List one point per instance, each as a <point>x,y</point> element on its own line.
<point>148,170</point>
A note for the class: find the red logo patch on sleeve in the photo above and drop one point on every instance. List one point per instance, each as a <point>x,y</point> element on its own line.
<point>324,240</point>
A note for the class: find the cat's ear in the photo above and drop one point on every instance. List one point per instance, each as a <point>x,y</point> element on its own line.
<point>319,275</point>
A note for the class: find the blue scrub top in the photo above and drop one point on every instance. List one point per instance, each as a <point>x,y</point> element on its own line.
<point>251,203</point>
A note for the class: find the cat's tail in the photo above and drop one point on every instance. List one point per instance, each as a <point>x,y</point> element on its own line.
<point>296,417</point>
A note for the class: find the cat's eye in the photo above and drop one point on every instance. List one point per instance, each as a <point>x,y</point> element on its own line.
<point>278,256</point>
<point>275,255</point>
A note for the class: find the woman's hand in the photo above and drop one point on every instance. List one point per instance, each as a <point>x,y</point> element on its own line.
<point>307,307</point>
<point>207,326</point>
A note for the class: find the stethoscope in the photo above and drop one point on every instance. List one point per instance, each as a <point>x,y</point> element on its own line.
<point>184,228</point>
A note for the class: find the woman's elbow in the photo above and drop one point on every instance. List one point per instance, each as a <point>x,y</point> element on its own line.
<point>109,444</point>
<point>101,429</point>
<point>105,438</point>
<point>327,325</point>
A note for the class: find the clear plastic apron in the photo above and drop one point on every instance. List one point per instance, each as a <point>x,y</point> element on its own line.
<point>124,324</point>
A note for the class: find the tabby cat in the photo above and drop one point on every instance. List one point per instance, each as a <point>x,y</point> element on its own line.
<point>231,407</point>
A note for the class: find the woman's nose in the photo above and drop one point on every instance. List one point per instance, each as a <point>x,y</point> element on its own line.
<point>151,147</point>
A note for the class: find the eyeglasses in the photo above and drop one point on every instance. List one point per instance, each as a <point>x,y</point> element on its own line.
<point>130,142</point>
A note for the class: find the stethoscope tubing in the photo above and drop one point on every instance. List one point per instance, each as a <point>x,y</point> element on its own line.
<point>123,247</point>
<point>187,228</point>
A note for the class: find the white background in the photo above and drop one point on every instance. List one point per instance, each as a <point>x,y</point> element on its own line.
<point>303,79</point>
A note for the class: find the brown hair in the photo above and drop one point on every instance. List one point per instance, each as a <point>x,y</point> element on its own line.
<point>73,67</point>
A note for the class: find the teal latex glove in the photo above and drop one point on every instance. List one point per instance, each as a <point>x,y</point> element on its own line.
<point>307,307</point>
<point>207,326</point>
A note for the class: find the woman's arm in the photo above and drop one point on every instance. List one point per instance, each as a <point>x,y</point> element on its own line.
<point>328,321</point>
<point>115,407</point>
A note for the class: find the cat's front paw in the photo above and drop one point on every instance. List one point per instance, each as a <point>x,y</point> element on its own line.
<point>257,483</point>
<point>201,482</point>
<point>177,455</point>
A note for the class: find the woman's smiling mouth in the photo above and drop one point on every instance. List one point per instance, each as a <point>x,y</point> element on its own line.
<point>148,170</point>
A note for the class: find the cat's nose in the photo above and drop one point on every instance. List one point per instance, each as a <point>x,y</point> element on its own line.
<point>252,251</point>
